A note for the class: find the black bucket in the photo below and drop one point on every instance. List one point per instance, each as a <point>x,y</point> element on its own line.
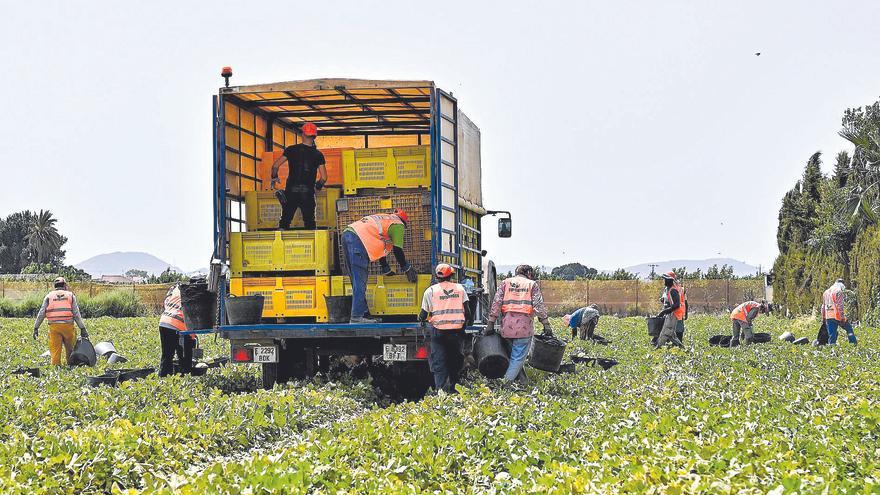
<point>244,310</point>
<point>546,353</point>
<point>83,354</point>
<point>109,379</point>
<point>491,355</point>
<point>338,309</point>
<point>655,325</point>
<point>199,306</point>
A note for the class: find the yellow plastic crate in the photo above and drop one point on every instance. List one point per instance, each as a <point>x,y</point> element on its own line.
<point>289,250</point>
<point>387,295</point>
<point>400,166</point>
<point>263,211</point>
<point>287,297</point>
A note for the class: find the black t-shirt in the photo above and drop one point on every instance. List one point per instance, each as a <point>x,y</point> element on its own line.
<point>302,163</point>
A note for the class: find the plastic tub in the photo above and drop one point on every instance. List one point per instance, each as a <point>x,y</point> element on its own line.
<point>244,310</point>
<point>199,306</point>
<point>491,356</point>
<point>546,353</point>
<point>655,325</point>
<point>338,309</point>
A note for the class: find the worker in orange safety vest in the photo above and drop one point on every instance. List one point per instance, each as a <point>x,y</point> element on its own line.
<point>373,238</point>
<point>445,306</point>
<point>742,317</point>
<point>673,311</point>
<point>171,323</point>
<point>834,314</point>
<point>518,300</point>
<point>62,311</point>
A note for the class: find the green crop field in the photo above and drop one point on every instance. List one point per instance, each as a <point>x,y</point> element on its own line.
<point>771,418</point>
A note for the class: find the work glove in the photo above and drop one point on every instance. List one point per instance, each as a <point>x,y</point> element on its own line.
<point>275,180</point>
<point>319,185</point>
<point>36,332</point>
<point>490,328</point>
<point>411,274</point>
<point>548,332</point>
<point>281,197</point>
<point>83,333</point>
<point>386,270</point>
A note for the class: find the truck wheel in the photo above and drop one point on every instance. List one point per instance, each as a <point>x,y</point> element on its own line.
<point>270,375</point>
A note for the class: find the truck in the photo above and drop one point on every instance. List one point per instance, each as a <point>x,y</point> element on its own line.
<point>369,120</point>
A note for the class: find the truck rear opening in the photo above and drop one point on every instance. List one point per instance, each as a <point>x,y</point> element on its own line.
<point>387,144</point>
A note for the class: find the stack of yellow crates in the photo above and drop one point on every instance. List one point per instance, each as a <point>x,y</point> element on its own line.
<point>291,269</point>
<point>379,180</point>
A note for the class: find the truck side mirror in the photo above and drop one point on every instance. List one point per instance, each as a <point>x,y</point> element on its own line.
<point>505,227</point>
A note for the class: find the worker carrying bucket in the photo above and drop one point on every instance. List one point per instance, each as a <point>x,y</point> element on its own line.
<point>61,309</point>
<point>373,238</point>
<point>445,307</point>
<point>307,173</point>
<point>673,312</point>
<point>518,300</point>
<point>171,323</point>
<point>742,317</point>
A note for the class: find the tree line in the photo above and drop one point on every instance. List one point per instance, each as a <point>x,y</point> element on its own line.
<point>828,224</point>
<point>577,271</point>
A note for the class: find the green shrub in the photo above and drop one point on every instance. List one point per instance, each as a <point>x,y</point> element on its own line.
<point>117,303</point>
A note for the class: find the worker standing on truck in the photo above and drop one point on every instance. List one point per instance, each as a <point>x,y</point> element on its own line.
<point>306,173</point>
<point>518,300</point>
<point>742,317</point>
<point>583,322</point>
<point>673,311</point>
<point>62,311</point>
<point>833,312</point>
<point>445,306</point>
<point>171,323</point>
<point>373,238</point>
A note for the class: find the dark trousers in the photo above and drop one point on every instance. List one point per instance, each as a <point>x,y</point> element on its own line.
<point>301,200</point>
<point>446,358</point>
<point>171,345</point>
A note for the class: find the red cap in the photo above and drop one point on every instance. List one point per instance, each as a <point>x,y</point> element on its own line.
<point>402,215</point>
<point>310,129</point>
<point>669,275</point>
<point>443,270</point>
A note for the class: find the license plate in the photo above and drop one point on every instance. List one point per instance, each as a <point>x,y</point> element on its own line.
<point>394,352</point>
<point>268,354</point>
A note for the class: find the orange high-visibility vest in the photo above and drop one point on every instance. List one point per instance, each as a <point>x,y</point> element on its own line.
<point>172,317</point>
<point>678,313</point>
<point>373,232</point>
<point>447,306</point>
<point>741,312</point>
<point>518,295</point>
<point>60,308</point>
<point>832,301</point>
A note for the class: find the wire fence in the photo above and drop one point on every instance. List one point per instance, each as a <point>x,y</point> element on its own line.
<point>638,297</point>
<point>152,296</point>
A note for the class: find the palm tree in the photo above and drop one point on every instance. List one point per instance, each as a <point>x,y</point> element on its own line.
<point>43,237</point>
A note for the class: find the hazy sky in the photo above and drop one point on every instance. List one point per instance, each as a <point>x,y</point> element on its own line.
<point>616,132</point>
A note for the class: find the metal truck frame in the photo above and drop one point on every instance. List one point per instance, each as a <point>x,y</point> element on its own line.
<point>343,109</point>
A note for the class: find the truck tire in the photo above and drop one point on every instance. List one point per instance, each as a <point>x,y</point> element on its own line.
<point>270,375</point>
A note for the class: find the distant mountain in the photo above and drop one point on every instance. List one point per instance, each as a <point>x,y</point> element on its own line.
<point>118,263</point>
<point>740,268</point>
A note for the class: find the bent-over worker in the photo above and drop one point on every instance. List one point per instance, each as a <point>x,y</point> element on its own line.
<point>583,322</point>
<point>373,238</point>
<point>742,317</point>
<point>673,311</point>
<point>833,312</point>
<point>307,172</point>
<point>445,306</point>
<point>61,309</point>
<point>171,323</point>
<point>518,300</point>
